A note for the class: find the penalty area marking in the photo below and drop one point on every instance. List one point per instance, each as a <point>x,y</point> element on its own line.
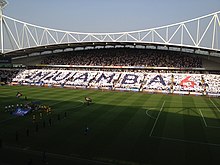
<point>206,125</point>
<point>203,118</point>
<point>182,140</point>
<point>149,114</point>
<point>151,132</point>
<point>214,104</point>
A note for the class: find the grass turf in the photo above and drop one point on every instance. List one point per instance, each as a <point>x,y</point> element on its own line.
<point>124,128</point>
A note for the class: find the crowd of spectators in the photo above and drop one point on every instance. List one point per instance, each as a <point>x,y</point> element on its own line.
<point>6,75</point>
<point>124,57</point>
<point>135,81</point>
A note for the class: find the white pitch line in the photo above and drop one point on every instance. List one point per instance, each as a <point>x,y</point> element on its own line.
<point>79,105</point>
<point>7,120</point>
<point>4,96</point>
<point>214,105</point>
<point>213,127</point>
<point>156,119</point>
<point>205,110</point>
<point>59,156</point>
<point>150,115</point>
<point>203,118</point>
<point>206,123</point>
<point>186,141</point>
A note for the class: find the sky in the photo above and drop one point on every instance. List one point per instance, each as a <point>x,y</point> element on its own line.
<point>107,15</point>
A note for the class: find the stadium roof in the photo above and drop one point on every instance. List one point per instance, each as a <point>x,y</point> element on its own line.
<point>93,45</point>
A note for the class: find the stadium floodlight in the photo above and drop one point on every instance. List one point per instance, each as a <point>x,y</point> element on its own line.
<point>3,3</point>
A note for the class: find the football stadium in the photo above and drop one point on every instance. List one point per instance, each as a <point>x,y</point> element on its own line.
<point>140,97</point>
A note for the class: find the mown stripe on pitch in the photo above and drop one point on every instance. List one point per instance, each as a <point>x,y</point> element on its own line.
<point>111,129</point>
<point>132,129</point>
<point>212,108</point>
<point>88,117</point>
<point>193,127</point>
<point>158,129</point>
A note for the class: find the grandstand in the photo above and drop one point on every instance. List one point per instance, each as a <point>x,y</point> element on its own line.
<point>147,98</point>
<point>124,69</point>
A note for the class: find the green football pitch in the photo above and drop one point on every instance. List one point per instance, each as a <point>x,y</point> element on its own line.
<point>123,128</point>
